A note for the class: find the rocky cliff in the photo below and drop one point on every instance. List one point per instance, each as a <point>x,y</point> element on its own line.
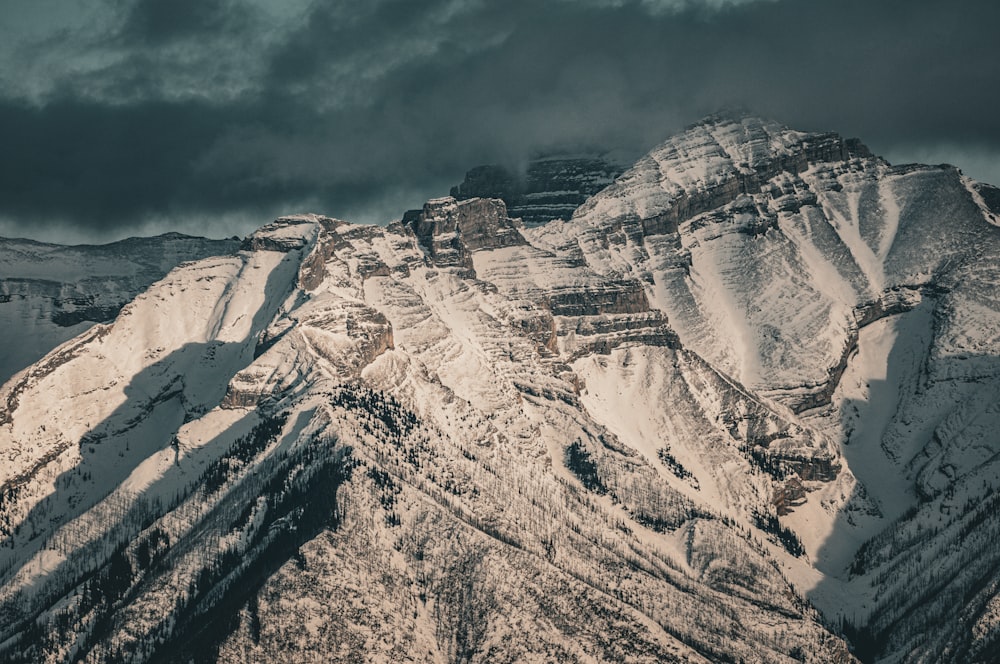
<point>549,188</point>
<point>760,428</point>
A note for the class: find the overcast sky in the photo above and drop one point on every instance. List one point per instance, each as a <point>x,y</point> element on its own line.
<point>124,117</point>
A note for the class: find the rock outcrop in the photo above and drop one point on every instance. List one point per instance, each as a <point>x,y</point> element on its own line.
<point>550,188</point>
<point>751,380</point>
<point>451,230</point>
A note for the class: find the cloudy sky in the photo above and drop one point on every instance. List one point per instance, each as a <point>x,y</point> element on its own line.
<point>123,117</point>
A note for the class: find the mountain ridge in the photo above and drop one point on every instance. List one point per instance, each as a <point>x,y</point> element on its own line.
<point>646,432</point>
<point>49,293</point>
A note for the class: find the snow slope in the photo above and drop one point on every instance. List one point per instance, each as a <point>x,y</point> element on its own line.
<point>51,293</point>
<point>741,407</point>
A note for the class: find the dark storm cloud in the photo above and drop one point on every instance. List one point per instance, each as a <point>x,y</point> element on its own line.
<point>84,160</point>
<point>158,21</point>
<point>359,103</point>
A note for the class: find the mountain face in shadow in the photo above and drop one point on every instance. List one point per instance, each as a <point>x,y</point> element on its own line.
<point>741,405</point>
<point>550,187</point>
<point>51,293</point>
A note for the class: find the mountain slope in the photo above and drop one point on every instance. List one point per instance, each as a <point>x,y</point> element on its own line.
<point>756,373</point>
<point>51,293</point>
<point>837,263</point>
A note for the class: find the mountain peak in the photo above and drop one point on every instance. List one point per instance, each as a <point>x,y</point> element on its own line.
<point>288,233</point>
<point>551,186</point>
<point>733,113</point>
<point>710,164</point>
<point>752,379</point>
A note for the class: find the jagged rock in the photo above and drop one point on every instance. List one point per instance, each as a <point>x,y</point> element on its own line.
<point>991,199</point>
<point>451,230</point>
<point>537,324</point>
<point>625,297</point>
<point>456,439</point>
<point>551,187</point>
<point>313,270</point>
<point>282,236</point>
<point>789,495</point>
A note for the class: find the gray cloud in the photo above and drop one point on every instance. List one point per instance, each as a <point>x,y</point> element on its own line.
<point>233,111</point>
<point>159,21</point>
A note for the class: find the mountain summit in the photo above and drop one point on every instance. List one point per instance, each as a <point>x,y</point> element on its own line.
<point>551,187</point>
<point>740,406</point>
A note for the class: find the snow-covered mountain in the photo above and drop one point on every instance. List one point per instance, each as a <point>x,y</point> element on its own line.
<point>50,293</point>
<point>551,187</point>
<point>742,406</point>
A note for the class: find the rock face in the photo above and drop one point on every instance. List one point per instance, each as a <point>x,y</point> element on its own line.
<point>861,297</point>
<point>51,293</point>
<point>550,188</point>
<point>758,429</point>
<point>451,230</point>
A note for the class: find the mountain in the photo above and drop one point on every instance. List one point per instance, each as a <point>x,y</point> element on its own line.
<point>50,293</point>
<point>740,407</point>
<point>551,187</point>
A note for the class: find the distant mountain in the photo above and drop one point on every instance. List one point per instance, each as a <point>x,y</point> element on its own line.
<point>549,188</point>
<point>741,406</point>
<point>50,293</point>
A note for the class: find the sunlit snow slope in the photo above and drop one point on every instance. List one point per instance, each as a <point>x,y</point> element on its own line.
<point>756,375</point>
<point>50,293</point>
